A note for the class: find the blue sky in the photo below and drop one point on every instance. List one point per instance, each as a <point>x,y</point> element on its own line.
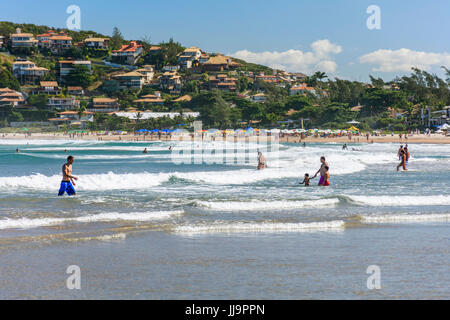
<point>298,35</point>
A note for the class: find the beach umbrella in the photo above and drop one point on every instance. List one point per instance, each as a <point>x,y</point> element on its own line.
<point>24,129</point>
<point>353,122</point>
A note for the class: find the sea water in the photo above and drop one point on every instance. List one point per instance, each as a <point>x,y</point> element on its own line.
<point>144,226</point>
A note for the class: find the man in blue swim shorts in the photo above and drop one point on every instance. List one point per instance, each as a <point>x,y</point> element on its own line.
<point>67,183</point>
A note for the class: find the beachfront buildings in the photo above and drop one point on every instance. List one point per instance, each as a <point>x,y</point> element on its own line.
<point>131,80</point>
<point>73,119</point>
<point>22,40</point>
<point>96,43</point>
<point>27,72</point>
<point>189,57</point>
<point>223,82</point>
<point>63,103</point>
<point>127,54</point>
<point>301,89</point>
<point>10,98</point>
<point>104,105</point>
<point>66,66</point>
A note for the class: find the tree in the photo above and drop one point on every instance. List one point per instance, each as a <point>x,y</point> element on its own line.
<point>7,80</point>
<point>116,40</point>
<point>79,76</point>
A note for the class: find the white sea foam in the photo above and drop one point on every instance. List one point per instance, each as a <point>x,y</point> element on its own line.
<point>436,200</point>
<point>26,223</point>
<point>408,218</point>
<point>252,227</point>
<point>266,205</point>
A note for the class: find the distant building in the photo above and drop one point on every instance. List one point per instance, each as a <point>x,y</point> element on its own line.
<point>96,43</point>
<point>223,82</point>
<point>170,81</point>
<point>63,103</point>
<point>131,80</point>
<point>259,97</point>
<point>128,54</point>
<point>10,98</point>
<point>189,57</point>
<point>27,72</point>
<point>301,89</point>
<point>23,40</point>
<point>66,66</point>
<point>72,119</point>
<point>60,42</point>
<point>44,39</point>
<point>76,91</point>
<point>48,87</point>
<point>148,72</point>
<point>151,99</point>
<point>219,63</point>
<point>104,105</point>
<point>2,41</point>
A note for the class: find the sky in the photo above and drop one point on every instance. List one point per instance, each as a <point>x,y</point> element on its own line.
<point>295,35</point>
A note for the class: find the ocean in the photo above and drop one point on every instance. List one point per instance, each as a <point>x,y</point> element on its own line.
<point>159,226</point>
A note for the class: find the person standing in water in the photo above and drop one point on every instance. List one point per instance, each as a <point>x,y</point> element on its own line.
<point>262,162</point>
<point>402,160</point>
<point>322,171</point>
<point>67,183</point>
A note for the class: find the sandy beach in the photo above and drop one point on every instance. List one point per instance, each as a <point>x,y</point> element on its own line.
<point>416,138</point>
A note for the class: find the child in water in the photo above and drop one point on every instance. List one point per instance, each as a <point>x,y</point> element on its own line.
<point>306,180</point>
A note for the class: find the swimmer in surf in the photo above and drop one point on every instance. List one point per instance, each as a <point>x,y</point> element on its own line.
<point>68,183</point>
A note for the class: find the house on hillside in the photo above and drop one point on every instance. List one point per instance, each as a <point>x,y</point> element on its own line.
<point>151,99</point>
<point>2,42</point>
<point>22,40</point>
<point>104,105</point>
<point>44,39</point>
<point>261,77</point>
<point>302,89</point>
<point>219,63</point>
<point>48,87</point>
<point>63,103</point>
<point>148,71</point>
<point>170,81</point>
<point>75,91</point>
<point>59,43</point>
<point>96,43</point>
<point>66,66</point>
<point>223,82</point>
<point>131,80</point>
<point>10,98</point>
<point>27,72</point>
<point>189,57</point>
<point>259,97</point>
<point>128,54</point>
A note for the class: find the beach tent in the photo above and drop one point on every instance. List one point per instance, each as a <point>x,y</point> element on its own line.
<point>444,126</point>
<point>353,128</point>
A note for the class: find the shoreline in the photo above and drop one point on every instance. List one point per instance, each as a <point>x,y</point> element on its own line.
<point>432,139</point>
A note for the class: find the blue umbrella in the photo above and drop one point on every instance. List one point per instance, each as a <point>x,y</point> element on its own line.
<point>154,131</point>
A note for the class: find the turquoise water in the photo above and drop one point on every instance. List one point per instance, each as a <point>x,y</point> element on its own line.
<point>145,226</point>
